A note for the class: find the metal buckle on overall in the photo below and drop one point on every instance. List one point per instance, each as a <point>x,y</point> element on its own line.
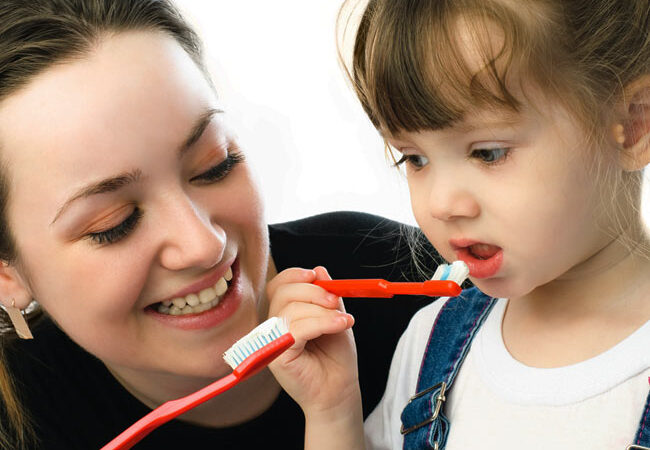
<point>439,399</point>
<point>636,447</point>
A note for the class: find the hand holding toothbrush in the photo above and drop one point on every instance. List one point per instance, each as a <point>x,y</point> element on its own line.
<point>320,370</point>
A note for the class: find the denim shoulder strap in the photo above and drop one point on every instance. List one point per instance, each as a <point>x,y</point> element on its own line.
<point>424,424</point>
<point>642,439</point>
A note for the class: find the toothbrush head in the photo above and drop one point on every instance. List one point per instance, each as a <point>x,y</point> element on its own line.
<point>456,271</point>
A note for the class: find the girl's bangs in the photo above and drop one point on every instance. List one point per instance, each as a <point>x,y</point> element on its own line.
<point>414,73</point>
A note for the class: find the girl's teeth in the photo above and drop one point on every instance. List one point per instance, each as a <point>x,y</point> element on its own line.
<point>197,303</point>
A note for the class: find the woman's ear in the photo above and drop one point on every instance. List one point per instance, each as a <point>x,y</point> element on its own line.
<point>632,132</point>
<point>13,288</point>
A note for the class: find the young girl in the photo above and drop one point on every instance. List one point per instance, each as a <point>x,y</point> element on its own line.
<point>524,128</point>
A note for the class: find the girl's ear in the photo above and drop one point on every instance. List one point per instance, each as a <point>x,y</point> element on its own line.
<point>632,133</point>
<point>13,288</point>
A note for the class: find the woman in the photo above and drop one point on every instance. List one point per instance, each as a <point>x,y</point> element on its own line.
<point>130,214</point>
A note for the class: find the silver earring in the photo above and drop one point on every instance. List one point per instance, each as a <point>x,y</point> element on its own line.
<point>18,321</point>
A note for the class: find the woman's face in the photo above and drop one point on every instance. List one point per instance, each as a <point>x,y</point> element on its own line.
<point>128,191</point>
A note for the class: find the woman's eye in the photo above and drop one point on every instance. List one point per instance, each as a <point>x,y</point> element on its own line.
<point>490,155</point>
<point>414,161</point>
<point>219,171</point>
<point>119,231</point>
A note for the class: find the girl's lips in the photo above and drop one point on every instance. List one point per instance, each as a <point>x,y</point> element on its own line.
<point>228,305</point>
<point>480,267</point>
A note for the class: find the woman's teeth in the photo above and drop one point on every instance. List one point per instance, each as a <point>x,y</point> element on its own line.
<point>196,303</point>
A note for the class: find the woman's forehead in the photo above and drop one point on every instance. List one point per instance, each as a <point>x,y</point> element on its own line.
<point>137,95</point>
<point>123,90</point>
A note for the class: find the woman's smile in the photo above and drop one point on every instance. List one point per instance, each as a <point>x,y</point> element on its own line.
<point>203,307</point>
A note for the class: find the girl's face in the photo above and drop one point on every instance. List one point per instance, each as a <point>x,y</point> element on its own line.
<point>128,191</point>
<point>515,196</point>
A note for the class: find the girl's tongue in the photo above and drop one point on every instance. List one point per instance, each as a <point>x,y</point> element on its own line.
<point>483,251</point>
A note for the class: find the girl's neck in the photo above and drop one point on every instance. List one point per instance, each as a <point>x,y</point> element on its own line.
<point>613,279</point>
<point>584,313</point>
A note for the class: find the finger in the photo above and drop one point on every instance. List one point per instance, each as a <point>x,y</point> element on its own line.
<point>322,274</point>
<point>297,311</point>
<point>287,276</point>
<point>301,293</point>
<point>307,328</point>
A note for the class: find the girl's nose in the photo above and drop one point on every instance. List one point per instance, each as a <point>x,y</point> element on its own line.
<point>190,238</point>
<point>450,199</point>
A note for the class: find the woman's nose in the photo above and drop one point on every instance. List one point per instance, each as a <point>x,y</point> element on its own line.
<point>451,199</point>
<point>190,238</point>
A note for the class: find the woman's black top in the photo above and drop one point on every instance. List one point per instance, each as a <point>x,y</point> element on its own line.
<point>75,403</point>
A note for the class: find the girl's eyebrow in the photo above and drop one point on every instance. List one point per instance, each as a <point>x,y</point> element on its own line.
<point>498,119</point>
<point>117,182</point>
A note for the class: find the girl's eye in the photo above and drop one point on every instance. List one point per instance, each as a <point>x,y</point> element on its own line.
<point>490,155</point>
<point>414,161</point>
<point>219,171</point>
<point>119,231</point>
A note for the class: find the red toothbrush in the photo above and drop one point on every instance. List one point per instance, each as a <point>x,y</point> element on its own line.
<point>385,289</point>
<point>445,283</point>
<point>247,356</point>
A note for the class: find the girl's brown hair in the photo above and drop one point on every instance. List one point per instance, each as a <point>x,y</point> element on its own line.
<point>410,70</point>
<point>34,36</point>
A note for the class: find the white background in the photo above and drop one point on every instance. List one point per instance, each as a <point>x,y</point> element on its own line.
<point>275,67</point>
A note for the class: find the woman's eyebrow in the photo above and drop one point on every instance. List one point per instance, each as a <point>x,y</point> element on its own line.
<point>110,184</point>
<point>197,130</point>
<point>117,182</point>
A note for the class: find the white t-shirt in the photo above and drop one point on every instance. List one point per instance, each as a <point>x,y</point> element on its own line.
<point>497,402</point>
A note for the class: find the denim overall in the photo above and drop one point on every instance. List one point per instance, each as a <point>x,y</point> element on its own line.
<point>424,424</point>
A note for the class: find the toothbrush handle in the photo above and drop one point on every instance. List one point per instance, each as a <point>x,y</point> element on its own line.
<point>168,411</point>
<point>174,408</point>
<point>432,288</point>
<point>378,288</point>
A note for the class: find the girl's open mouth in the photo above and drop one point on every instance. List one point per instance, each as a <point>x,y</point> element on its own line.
<point>483,260</point>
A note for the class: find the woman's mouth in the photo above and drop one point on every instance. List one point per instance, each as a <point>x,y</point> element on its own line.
<point>202,307</point>
<point>196,302</point>
<point>483,260</point>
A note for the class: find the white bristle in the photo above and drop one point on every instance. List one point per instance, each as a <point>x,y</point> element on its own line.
<point>261,335</point>
<point>456,271</point>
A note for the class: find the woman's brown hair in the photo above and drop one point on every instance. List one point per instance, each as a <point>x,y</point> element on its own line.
<point>34,36</point>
